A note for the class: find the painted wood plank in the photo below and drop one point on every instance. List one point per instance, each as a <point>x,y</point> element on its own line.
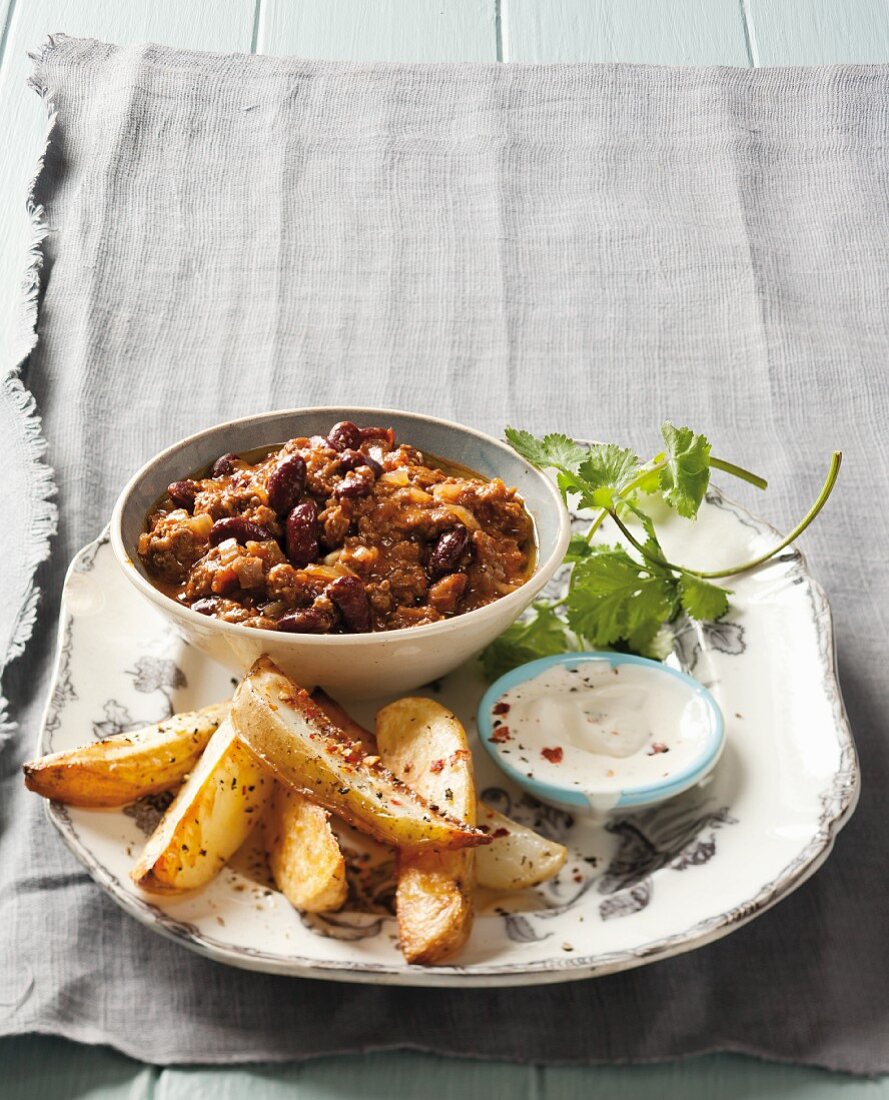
<point>818,32</point>
<point>675,32</point>
<point>38,1068</point>
<point>379,30</point>
<point>201,24</point>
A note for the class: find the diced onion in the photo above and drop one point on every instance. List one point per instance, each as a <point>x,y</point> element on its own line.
<point>395,477</point>
<point>447,492</point>
<point>325,572</point>
<point>464,515</point>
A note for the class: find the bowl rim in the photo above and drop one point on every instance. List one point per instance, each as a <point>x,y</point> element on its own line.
<point>519,598</point>
<point>631,796</point>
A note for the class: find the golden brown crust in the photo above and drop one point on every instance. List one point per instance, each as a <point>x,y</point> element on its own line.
<point>425,744</point>
<point>120,769</point>
<point>293,737</point>
<point>304,854</point>
<point>210,818</point>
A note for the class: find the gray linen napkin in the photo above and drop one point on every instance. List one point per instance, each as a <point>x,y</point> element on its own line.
<point>587,248</point>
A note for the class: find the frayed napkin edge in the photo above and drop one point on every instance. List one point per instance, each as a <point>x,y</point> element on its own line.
<point>44,518</point>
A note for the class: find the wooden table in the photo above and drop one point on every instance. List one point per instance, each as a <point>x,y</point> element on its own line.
<point>682,32</point>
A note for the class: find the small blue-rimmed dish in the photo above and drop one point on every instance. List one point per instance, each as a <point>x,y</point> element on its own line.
<point>594,732</point>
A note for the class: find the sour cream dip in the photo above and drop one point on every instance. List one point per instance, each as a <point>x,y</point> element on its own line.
<point>602,728</point>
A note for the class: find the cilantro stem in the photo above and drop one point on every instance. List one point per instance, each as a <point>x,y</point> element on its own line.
<point>596,524</point>
<point>550,605</point>
<point>739,472</point>
<point>659,463</point>
<point>715,574</point>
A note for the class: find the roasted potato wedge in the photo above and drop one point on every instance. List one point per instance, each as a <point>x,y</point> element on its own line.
<point>303,852</point>
<point>344,721</point>
<point>293,737</point>
<point>302,846</point>
<point>209,819</point>
<point>121,769</point>
<point>425,745</point>
<point>517,857</point>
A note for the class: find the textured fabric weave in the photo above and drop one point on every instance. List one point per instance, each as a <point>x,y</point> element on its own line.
<point>587,248</point>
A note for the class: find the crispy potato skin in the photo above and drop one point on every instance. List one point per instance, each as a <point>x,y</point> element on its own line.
<point>208,820</point>
<point>294,738</point>
<point>434,905</point>
<point>120,769</point>
<point>303,852</point>
<point>425,745</point>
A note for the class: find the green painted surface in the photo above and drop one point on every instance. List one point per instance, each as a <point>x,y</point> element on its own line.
<point>818,32</point>
<point>39,1068</point>
<point>728,32</point>
<point>678,32</point>
<point>379,30</point>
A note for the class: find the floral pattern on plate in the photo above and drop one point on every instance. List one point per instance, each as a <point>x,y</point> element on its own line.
<point>751,833</point>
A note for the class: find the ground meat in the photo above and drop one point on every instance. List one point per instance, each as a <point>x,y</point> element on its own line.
<point>175,541</point>
<point>425,542</point>
<point>335,522</point>
<point>230,566</point>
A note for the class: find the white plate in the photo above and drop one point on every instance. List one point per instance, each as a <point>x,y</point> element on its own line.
<point>636,889</point>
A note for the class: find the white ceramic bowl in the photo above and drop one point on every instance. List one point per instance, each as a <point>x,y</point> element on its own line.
<point>357,665</point>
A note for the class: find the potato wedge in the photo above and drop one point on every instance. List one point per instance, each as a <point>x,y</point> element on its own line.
<point>304,854</point>
<point>292,736</point>
<point>425,745</point>
<point>344,721</point>
<point>121,769</point>
<point>517,857</point>
<point>209,819</point>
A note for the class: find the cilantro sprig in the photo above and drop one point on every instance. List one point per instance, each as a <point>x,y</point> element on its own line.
<point>623,596</point>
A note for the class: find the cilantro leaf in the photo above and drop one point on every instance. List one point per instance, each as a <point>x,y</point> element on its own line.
<point>569,483</point>
<point>605,471</point>
<point>685,478</point>
<point>651,481</point>
<point>614,598</point>
<point>578,549</point>
<point>555,449</point>
<point>526,640</point>
<point>652,545</point>
<point>702,600</point>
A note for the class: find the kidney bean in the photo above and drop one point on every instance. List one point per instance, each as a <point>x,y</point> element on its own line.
<point>344,435</point>
<point>205,606</point>
<point>182,493</point>
<point>351,460</point>
<point>448,551</point>
<point>310,620</point>
<point>385,435</point>
<point>237,527</point>
<point>350,598</point>
<point>301,534</point>
<point>355,484</point>
<point>286,483</point>
<point>224,465</point>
